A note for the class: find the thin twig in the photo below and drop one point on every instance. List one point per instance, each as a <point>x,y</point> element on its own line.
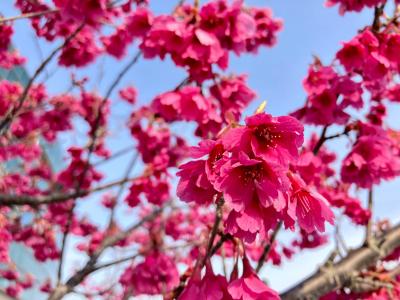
<point>114,156</point>
<point>90,152</point>
<point>323,138</point>
<point>29,15</point>
<point>122,186</point>
<point>9,200</point>
<point>321,141</point>
<point>99,112</point>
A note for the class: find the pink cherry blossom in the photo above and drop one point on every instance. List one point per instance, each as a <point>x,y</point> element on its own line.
<point>156,274</point>
<point>274,139</point>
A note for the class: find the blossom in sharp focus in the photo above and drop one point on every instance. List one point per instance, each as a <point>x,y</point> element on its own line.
<point>274,139</point>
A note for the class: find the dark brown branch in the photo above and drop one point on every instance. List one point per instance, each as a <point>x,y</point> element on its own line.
<point>323,138</point>
<point>116,262</point>
<point>131,257</point>
<point>340,274</point>
<point>64,242</point>
<point>268,247</point>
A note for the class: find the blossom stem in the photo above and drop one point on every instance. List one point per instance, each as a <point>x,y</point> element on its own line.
<point>64,242</point>
<point>214,231</point>
<point>323,138</point>
<point>321,141</point>
<point>268,247</point>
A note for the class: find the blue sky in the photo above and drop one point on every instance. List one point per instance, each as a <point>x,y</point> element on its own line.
<point>275,74</point>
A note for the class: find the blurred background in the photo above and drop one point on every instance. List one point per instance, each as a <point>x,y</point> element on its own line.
<point>276,75</point>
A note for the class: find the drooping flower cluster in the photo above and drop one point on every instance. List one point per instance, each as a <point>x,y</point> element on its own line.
<point>216,287</point>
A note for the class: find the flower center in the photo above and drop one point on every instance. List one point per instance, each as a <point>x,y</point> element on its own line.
<point>252,173</point>
<point>267,136</point>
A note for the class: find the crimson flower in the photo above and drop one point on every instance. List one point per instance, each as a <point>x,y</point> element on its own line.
<point>271,138</point>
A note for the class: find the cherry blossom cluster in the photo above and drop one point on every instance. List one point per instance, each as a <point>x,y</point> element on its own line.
<point>249,168</point>
<point>196,39</point>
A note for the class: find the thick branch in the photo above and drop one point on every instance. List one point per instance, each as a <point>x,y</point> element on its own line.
<point>340,274</point>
